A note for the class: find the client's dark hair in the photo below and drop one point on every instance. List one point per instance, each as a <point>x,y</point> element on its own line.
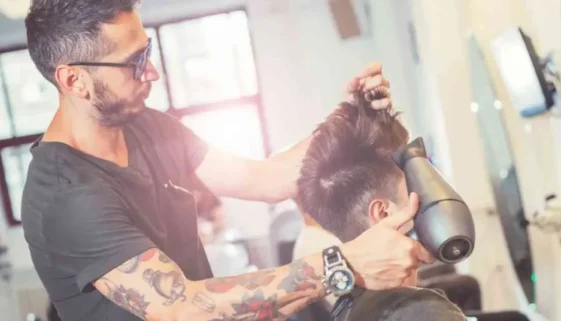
<point>348,163</point>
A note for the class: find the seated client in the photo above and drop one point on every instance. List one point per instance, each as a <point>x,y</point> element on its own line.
<point>349,183</point>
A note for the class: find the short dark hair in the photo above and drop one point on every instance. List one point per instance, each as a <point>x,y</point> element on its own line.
<point>347,164</point>
<point>66,31</point>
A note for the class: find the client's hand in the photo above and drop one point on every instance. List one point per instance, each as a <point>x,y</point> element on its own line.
<point>382,257</point>
<point>371,82</point>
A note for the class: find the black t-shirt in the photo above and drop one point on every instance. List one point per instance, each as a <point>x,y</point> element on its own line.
<point>84,216</point>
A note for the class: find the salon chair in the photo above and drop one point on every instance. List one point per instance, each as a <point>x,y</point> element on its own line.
<point>462,290</point>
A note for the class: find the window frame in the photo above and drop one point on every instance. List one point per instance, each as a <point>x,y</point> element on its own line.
<point>177,111</point>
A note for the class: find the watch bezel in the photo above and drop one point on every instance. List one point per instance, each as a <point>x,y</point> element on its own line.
<point>336,291</point>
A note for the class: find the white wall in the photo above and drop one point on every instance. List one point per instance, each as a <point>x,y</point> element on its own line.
<point>443,51</point>
<point>304,66</point>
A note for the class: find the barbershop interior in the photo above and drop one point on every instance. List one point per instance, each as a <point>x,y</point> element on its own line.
<point>476,84</point>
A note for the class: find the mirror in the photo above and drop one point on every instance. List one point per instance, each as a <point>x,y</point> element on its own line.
<point>502,172</point>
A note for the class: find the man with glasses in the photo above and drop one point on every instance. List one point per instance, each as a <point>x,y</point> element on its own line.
<point>108,209</point>
<point>137,61</point>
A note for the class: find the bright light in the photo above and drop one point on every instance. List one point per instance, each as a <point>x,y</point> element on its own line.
<point>474,107</point>
<point>498,104</point>
<point>528,128</point>
<point>503,173</point>
<point>235,129</point>
<point>31,93</point>
<point>14,9</point>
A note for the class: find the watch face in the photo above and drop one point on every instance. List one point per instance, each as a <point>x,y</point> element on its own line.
<point>341,281</point>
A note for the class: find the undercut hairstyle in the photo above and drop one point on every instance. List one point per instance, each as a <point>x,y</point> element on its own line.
<point>67,31</point>
<point>348,164</point>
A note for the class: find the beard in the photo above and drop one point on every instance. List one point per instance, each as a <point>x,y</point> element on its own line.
<point>113,111</point>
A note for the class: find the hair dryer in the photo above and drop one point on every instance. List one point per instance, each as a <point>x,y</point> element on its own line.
<point>443,224</point>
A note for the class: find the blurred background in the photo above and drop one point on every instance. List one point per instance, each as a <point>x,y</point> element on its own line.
<point>476,79</point>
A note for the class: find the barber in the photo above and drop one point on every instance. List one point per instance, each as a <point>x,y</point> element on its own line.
<point>108,209</point>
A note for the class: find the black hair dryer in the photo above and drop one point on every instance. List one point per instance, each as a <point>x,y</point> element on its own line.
<point>443,224</point>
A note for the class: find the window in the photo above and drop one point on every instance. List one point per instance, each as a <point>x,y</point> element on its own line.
<point>16,160</point>
<point>32,100</point>
<point>208,80</point>
<point>5,126</point>
<point>235,129</point>
<point>209,59</point>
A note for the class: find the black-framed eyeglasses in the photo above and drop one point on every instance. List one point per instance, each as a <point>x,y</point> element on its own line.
<point>139,65</point>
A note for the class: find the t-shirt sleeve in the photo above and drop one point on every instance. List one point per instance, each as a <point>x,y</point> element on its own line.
<point>89,233</point>
<point>196,147</point>
<point>185,144</point>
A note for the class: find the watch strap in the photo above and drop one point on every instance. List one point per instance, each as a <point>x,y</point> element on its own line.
<point>343,305</point>
<point>332,256</point>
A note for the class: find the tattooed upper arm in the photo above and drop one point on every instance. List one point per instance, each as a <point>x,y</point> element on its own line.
<point>146,285</point>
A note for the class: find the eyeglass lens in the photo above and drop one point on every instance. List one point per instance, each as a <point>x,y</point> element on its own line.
<point>142,62</point>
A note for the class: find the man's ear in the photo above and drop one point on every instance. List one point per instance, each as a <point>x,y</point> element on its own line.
<point>377,211</point>
<point>69,81</point>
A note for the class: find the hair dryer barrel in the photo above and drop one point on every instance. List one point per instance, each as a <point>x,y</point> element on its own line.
<point>443,224</point>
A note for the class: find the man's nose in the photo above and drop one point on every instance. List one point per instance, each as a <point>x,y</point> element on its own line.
<point>150,73</point>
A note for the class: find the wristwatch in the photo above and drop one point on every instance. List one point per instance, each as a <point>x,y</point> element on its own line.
<point>338,278</point>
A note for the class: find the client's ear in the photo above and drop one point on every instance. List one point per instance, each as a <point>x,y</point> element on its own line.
<point>377,211</point>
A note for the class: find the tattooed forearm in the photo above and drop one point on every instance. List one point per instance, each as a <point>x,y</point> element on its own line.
<point>127,298</point>
<point>150,287</point>
<point>298,300</point>
<point>301,277</point>
<point>204,302</point>
<point>250,281</point>
<point>170,285</point>
<point>300,286</point>
<point>164,258</point>
<point>254,307</point>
